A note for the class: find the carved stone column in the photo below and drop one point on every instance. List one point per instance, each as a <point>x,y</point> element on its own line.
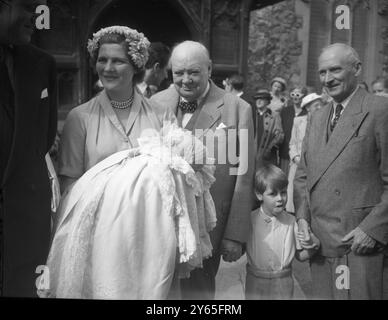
<point>383,12</point>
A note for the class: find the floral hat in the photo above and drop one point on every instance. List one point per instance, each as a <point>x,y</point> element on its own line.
<point>138,44</point>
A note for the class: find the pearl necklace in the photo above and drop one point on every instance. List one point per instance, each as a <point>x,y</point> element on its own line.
<point>122,104</point>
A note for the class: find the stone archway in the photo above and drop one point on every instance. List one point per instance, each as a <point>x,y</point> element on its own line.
<point>163,21</point>
<point>158,20</point>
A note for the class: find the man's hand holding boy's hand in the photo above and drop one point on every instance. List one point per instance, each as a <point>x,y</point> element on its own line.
<point>310,242</point>
<point>303,226</point>
<point>231,250</point>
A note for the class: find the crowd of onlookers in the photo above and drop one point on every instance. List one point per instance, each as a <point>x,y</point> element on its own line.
<point>280,117</point>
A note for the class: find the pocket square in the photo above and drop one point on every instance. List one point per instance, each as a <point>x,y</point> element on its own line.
<point>44,93</point>
<point>221,126</point>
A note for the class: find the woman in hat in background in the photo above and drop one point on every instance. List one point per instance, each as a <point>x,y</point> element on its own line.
<point>309,104</point>
<point>287,116</point>
<point>278,88</point>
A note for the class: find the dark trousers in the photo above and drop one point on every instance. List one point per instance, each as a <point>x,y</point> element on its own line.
<point>1,246</point>
<point>366,279</point>
<point>202,282</point>
<point>285,165</point>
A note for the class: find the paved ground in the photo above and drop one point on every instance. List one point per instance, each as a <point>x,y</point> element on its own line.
<point>230,280</point>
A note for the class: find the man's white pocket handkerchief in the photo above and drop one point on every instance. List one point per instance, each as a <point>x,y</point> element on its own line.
<point>221,126</point>
<point>44,93</point>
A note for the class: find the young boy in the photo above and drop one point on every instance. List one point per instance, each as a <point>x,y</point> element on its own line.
<point>274,240</point>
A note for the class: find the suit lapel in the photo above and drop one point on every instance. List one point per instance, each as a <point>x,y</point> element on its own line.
<point>348,124</point>
<point>211,110</point>
<point>27,96</point>
<point>108,110</point>
<point>135,110</point>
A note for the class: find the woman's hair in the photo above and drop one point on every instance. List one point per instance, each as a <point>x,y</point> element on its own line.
<point>114,38</point>
<point>280,80</point>
<point>135,45</point>
<point>302,89</point>
<point>382,80</point>
<point>270,176</point>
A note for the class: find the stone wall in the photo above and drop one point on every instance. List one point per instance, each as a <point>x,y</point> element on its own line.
<point>274,47</point>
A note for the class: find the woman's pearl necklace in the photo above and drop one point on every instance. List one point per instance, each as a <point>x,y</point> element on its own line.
<point>122,104</point>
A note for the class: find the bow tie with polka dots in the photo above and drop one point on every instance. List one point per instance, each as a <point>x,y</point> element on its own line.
<point>188,106</point>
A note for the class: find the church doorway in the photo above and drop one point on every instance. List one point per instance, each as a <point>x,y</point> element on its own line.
<point>158,20</point>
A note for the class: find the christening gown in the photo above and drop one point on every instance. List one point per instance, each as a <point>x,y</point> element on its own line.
<point>133,220</point>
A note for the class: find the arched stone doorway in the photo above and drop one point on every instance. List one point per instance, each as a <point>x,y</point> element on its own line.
<point>158,20</point>
<point>221,25</point>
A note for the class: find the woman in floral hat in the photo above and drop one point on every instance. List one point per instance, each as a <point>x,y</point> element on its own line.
<point>278,88</point>
<point>113,120</point>
<point>138,216</point>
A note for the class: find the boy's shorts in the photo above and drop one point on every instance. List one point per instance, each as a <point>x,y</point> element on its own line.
<point>261,285</point>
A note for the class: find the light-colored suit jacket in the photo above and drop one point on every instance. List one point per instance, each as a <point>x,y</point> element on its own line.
<point>232,194</point>
<point>343,183</point>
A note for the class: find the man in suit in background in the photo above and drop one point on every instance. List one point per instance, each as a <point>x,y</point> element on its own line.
<point>28,121</point>
<point>268,130</point>
<point>342,182</point>
<point>156,68</point>
<point>235,85</point>
<point>199,104</point>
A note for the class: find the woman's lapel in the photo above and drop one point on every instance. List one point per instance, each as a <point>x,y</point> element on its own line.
<point>108,110</point>
<point>135,110</point>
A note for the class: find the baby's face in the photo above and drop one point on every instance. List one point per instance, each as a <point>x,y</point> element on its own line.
<point>273,201</point>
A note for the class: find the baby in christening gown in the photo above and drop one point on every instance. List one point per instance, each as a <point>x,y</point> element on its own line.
<point>126,222</point>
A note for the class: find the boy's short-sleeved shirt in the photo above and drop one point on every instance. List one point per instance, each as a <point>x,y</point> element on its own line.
<point>272,241</point>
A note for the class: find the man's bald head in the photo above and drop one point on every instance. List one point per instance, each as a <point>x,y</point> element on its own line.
<point>339,67</point>
<point>345,51</point>
<point>188,48</point>
<point>191,69</point>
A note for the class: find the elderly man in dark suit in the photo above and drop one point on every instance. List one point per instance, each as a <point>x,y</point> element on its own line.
<point>200,105</point>
<point>342,182</point>
<point>27,131</point>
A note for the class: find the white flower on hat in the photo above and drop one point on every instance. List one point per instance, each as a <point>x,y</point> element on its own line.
<point>138,44</point>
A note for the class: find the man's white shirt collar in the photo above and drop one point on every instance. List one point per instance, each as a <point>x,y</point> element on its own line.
<point>262,112</point>
<point>142,87</point>
<point>347,100</point>
<point>187,115</point>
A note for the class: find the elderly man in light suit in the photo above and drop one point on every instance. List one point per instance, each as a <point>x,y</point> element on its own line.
<point>341,183</point>
<point>199,104</point>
